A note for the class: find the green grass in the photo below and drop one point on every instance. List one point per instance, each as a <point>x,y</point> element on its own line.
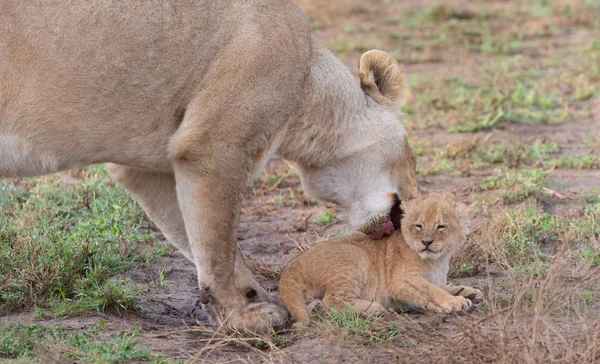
<point>591,197</point>
<point>26,342</point>
<point>530,239</point>
<point>570,162</point>
<point>591,253</point>
<point>525,233</point>
<point>62,246</point>
<point>469,156</point>
<point>328,217</point>
<point>587,228</point>
<point>357,327</point>
<point>510,154</point>
<point>512,90</point>
<point>519,184</point>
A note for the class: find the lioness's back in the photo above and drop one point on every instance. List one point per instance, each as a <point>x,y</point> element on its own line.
<point>93,82</point>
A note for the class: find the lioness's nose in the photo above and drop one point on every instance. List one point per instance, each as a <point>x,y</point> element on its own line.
<point>427,242</point>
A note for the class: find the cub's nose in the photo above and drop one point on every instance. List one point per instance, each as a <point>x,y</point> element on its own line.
<point>427,242</point>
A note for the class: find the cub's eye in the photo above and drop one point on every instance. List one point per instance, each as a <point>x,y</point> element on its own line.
<point>418,226</point>
<point>441,227</point>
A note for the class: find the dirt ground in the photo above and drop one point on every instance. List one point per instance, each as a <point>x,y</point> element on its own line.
<point>277,218</point>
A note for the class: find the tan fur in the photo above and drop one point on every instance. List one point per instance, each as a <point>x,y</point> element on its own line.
<point>369,275</point>
<point>380,76</point>
<point>187,100</point>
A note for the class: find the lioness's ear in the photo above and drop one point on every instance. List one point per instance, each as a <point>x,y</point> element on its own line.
<point>380,76</point>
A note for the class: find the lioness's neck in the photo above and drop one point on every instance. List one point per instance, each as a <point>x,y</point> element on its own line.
<point>331,118</point>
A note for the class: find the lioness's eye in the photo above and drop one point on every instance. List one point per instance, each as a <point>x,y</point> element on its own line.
<point>418,226</point>
<point>441,227</point>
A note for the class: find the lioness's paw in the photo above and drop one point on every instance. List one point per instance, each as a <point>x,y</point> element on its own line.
<point>257,294</point>
<point>258,318</point>
<point>453,304</point>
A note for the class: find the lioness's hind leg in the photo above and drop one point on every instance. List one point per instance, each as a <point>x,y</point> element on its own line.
<point>155,192</point>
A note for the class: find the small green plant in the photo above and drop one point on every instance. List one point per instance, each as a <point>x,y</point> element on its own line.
<point>279,199</point>
<point>161,280</point>
<point>344,233</point>
<point>349,319</point>
<point>326,218</point>
<point>592,197</point>
<point>274,340</point>
<point>592,254</point>
<point>467,269</point>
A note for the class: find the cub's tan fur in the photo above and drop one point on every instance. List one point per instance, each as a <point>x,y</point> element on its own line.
<point>187,99</point>
<point>410,266</point>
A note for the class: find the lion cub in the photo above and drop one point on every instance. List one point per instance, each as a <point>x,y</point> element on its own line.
<point>410,266</point>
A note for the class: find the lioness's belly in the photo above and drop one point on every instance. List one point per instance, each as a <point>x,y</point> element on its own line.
<point>84,83</point>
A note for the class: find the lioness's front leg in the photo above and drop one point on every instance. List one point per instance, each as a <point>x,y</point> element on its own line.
<point>155,192</point>
<point>210,204</point>
<point>226,130</point>
<point>418,291</point>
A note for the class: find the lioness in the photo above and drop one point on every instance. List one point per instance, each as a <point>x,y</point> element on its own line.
<point>410,266</point>
<point>187,100</point>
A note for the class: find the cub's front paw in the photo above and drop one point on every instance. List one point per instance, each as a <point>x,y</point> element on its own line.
<point>473,294</point>
<point>452,304</point>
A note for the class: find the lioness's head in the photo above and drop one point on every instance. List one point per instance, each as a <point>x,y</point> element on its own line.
<point>434,225</point>
<point>379,170</point>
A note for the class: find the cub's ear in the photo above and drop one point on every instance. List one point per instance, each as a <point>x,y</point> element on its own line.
<point>406,206</point>
<point>380,77</point>
<point>466,212</point>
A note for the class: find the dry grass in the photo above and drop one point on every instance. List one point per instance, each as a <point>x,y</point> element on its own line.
<point>531,330</point>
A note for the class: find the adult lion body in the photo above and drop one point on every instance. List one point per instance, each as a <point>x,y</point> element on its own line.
<point>186,100</point>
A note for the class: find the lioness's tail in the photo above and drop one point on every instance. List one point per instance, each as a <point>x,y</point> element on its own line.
<point>293,296</point>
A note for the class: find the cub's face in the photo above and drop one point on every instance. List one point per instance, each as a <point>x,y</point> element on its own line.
<point>434,225</point>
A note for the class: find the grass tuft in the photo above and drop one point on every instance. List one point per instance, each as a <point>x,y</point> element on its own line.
<point>61,244</point>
